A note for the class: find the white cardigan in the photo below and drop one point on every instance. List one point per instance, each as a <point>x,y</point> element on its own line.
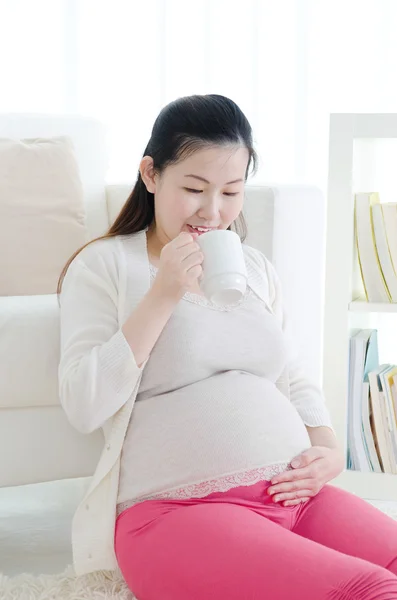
<point>99,378</point>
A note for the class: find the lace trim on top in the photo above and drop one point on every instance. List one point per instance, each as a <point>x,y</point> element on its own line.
<point>202,300</point>
<point>220,484</point>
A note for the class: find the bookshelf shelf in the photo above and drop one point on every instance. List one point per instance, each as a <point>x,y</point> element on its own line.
<point>373,486</point>
<point>374,307</point>
<point>344,131</point>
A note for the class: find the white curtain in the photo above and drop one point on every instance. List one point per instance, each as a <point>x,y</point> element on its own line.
<point>287,63</point>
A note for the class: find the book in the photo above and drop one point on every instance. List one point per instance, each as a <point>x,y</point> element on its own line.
<point>356,369</point>
<point>382,248</point>
<point>394,394</point>
<point>363,358</point>
<point>375,286</point>
<point>375,437</point>
<point>386,378</point>
<point>389,210</point>
<point>371,363</point>
<point>382,397</point>
<point>350,402</point>
<point>368,436</point>
<point>377,398</point>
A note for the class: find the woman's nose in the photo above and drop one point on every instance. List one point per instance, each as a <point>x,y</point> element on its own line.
<point>209,210</point>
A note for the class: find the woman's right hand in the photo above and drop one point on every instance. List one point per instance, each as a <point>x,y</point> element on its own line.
<point>180,266</point>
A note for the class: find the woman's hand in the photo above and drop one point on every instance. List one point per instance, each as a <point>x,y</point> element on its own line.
<point>180,266</point>
<point>318,465</point>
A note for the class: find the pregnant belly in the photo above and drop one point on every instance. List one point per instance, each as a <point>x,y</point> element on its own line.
<point>230,421</point>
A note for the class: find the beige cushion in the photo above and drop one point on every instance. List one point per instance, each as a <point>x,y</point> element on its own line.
<point>42,215</point>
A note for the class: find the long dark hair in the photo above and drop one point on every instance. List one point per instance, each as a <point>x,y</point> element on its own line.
<point>182,127</point>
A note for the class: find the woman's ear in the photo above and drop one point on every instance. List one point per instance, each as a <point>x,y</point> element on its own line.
<point>147,173</point>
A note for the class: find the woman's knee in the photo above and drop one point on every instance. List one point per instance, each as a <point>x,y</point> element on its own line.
<point>374,583</point>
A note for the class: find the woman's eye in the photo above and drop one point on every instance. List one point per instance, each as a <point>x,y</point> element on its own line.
<point>200,191</point>
<point>194,191</point>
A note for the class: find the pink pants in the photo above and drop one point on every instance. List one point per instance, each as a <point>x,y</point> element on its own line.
<point>241,545</point>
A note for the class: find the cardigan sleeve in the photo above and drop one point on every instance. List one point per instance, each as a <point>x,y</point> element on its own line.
<point>305,394</point>
<point>97,369</point>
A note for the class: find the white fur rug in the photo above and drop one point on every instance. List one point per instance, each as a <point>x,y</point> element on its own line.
<point>103,585</point>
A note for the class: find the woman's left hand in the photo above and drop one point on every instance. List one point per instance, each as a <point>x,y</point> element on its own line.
<point>318,465</point>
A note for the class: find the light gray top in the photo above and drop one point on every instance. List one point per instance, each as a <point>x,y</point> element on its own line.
<point>208,405</point>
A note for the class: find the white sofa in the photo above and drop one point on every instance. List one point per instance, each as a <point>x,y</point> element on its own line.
<point>37,443</point>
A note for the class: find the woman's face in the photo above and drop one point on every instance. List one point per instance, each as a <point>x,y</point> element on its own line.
<point>205,190</point>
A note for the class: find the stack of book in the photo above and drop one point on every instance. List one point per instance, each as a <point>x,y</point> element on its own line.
<point>376,241</point>
<point>372,407</point>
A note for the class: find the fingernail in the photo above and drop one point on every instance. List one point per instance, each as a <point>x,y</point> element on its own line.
<point>295,463</point>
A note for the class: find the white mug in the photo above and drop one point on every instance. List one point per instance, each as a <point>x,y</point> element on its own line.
<point>224,278</point>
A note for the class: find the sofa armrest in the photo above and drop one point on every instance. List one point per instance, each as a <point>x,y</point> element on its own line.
<point>116,195</point>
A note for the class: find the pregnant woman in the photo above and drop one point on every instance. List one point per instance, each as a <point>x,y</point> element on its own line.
<point>214,478</point>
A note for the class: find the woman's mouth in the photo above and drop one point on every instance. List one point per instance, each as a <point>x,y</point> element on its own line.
<point>199,230</point>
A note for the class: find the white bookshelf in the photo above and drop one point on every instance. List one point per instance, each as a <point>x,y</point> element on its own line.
<point>343,304</point>
<point>372,307</point>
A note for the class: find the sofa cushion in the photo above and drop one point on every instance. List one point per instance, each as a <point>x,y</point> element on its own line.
<point>42,215</point>
<point>29,351</point>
